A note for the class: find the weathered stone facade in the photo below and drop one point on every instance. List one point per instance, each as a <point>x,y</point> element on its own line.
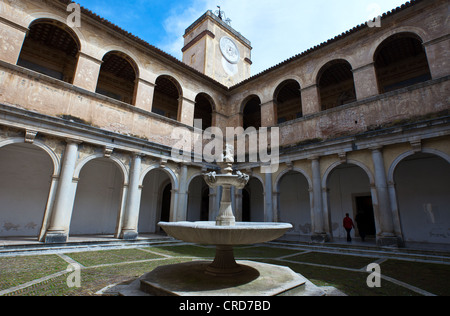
<point>363,122</point>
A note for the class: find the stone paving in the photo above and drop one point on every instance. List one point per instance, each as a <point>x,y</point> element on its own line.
<point>337,274</point>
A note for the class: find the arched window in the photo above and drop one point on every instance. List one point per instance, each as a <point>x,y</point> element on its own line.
<point>50,48</point>
<point>167,97</point>
<point>289,101</point>
<point>203,110</point>
<point>401,61</point>
<point>336,84</point>
<point>252,112</point>
<point>117,78</point>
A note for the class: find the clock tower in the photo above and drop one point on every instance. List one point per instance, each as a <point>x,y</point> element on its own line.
<point>215,49</point>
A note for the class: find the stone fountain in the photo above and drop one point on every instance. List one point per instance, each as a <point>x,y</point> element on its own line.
<point>224,276</point>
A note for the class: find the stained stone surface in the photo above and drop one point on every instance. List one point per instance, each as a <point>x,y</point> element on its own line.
<point>190,279</point>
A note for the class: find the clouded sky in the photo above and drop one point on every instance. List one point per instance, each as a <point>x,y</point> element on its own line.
<point>277,29</point>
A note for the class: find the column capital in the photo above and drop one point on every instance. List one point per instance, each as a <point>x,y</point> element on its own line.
<point>73,141</point>
<point>376,148</point>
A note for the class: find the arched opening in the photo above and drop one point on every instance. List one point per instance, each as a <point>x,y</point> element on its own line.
<point>401,61</point>
<point>350,192</point>
<point>167,97</point>
<point>336,84</point>
<point>155,201</point>
<point>253,201</point>
<point>50,48</point>
<point>422,183</point>
<point>198,201</point>
<point>288,99</point>
<point>98,199</point>
<point>117,78</point>
<point>295,203</point>
<point>203,110</point>
<point>25,177</point>
<point>252,113</point>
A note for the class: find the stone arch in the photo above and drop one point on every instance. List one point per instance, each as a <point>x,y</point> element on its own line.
<point>198,200</point>
<point>168,97</point>
<point>251,112</point>
<point>294,200</point>
<point>419,188</point>
<point>401,60</point>
<point>29,171</point>
<point>336,84</point>
<point>339,199</point>
<point>36,16</point>
<point>288,99</point>
<point>99,197</point>
<point>169,171</point>
<point>51,48</point>
<point>204,109</point>
<point>154,182</point>
<point>41,145</point>
<point>253,194</point>
<point>118,76</point>
<point>117,161</point>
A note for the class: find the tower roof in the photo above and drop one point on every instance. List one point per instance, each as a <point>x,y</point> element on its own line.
<point>210,15</point>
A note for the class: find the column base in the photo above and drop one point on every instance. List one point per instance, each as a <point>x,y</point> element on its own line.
<point>390,241</point>
<point>56,238</point>
<point>320,238</point>
<point>129,235</point>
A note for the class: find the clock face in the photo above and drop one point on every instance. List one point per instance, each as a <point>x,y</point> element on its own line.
<point>229,50</point>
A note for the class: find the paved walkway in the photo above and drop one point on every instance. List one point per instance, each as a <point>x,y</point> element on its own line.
<point>302,249</point>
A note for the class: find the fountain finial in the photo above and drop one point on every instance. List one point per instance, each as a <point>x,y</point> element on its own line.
<point>227,160</point>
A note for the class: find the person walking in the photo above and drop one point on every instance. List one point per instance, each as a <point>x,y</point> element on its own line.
<point>348,225</point>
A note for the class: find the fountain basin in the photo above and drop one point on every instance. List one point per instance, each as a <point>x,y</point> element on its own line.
<point>207,233</point>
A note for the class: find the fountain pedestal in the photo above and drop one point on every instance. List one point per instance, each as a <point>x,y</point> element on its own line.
<point>224,276</point>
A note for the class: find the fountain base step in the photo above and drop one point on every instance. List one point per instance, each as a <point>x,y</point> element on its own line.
<point>192,279</point>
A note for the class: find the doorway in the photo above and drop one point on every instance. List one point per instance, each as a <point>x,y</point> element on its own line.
<point>364,216</point>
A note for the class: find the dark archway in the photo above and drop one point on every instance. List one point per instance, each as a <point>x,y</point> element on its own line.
<point>336,84</point>
<point>156,200</point>
<point>51,48</point>
<point>198,201</point>
<point>401,61</point>
<point>203,110</point>
<point>349,191</point>
<point>252,112</point>
<point>253,201</point>
<point>167,97</point>
<point>118,77</point>
<point>288,100</point>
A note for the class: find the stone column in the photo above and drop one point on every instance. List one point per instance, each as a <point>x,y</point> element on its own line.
<point>318,233</point>
<point>144,95</point>
<point>269,114</point>
<point>438,54</point>
<point>12,37</point>
<point>186,111</point>
<point>87,72</point>
<point>310,100</point>
<point>386,235</point>
<point>65,195</point>
<point>366,83</point>
<point>181,210</point>
<point>268,216</point>
<point>130,222</point>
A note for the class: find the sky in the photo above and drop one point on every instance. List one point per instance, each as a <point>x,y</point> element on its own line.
<point>277,30</point>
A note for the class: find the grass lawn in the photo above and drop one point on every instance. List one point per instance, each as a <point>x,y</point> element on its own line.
<point>103,268</point>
